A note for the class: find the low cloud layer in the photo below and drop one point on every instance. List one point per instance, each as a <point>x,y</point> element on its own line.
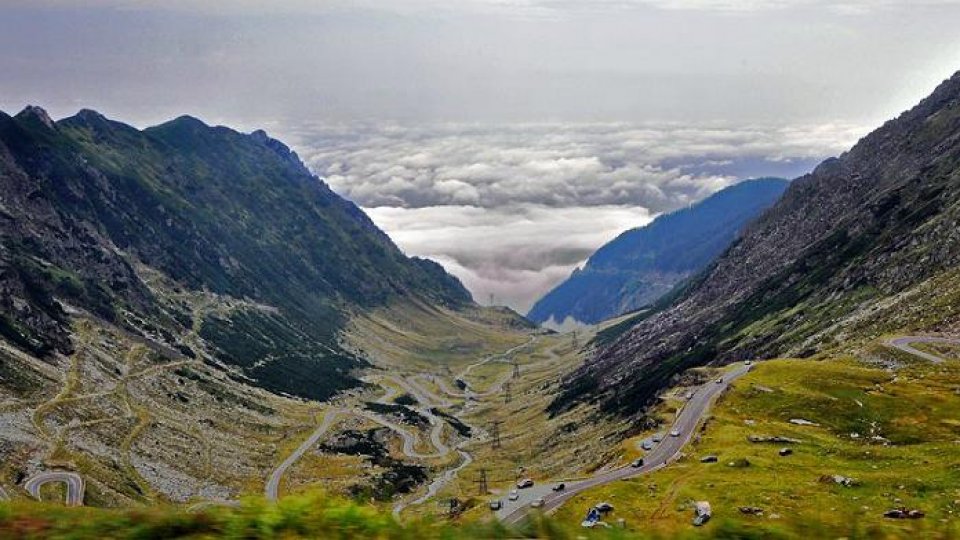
<point>516,252</point>
<point>513,209</point>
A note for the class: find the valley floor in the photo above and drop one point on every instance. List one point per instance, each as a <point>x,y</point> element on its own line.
<point>802,448</point>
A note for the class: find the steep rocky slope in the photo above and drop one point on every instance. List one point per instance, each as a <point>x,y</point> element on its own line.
<point>102,220</point>
<point>642,264</point>
<point>842,241</point>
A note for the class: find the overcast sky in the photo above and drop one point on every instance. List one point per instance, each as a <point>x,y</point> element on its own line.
<point>505,138</point>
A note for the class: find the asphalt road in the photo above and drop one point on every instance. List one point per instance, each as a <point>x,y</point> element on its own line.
<point>74,482</point>
<point>903,344</point>
<point>272,489</point>
<point>663,453</point>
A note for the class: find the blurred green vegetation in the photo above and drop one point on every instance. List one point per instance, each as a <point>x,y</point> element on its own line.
<point>314,515</point>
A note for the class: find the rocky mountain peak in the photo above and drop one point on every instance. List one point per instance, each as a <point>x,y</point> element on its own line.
<point>282,150</point>
<point>36,113</point>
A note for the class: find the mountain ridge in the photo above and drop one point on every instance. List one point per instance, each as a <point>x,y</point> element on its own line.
<point>88,201</point>
<point>860,228</point>
<point>642,264</point>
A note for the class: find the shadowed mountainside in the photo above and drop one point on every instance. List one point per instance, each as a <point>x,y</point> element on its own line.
<point>643,264</point>
<point>91,208</point>
<point>857,231</point>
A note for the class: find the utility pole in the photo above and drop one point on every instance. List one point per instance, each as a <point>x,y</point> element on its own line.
<point>506,392</point>
<point>495,433</point>
<point>516,369</point>
<point>491,299</point>
<point>482,482</point>
<point>576,342</point>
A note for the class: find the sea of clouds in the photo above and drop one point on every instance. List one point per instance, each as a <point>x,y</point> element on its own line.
<point>513,209</point>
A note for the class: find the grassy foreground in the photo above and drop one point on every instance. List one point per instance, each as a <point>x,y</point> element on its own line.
<point>313,515</point>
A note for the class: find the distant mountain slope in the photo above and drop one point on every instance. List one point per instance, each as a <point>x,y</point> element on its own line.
<point>642,264</point>
<point>91,208</point>
<point>842,243</point>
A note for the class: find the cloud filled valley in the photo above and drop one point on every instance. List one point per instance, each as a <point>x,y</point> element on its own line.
<point>513,209</point>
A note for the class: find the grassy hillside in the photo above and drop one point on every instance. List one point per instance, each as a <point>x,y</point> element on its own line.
<point>887,420</point>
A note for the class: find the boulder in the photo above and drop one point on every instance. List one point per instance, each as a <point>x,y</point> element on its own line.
<point>903,513</point>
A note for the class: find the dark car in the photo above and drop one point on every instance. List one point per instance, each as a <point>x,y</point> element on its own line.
<point>560,487</point>
<point>604,507</point>
<point>637,463</point>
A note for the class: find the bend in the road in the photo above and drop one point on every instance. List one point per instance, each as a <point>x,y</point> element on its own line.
<point>903,344</point>
<point>73,481</point>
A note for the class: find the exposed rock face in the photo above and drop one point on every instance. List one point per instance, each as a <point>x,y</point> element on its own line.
<point>860,228</point>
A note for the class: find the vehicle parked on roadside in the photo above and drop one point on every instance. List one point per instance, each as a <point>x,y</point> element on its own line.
<point>604,507</point>
<point>525,483</point>
<point>496,505</point>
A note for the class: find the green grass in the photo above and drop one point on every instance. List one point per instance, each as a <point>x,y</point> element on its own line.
<point>312,515</point>
<point>913,409</point>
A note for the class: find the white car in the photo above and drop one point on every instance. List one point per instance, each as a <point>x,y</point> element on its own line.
<point>748,362</point>
<point>537,503</point>
<point>514,495</point>
<point>647,445</point>
<point>658,437</point>
<point>675,433</point>
<point>720,380</point>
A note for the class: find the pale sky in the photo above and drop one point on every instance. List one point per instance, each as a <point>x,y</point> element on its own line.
<point>507,139</point>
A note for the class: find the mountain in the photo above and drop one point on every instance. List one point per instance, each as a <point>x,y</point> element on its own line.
<point>643,264</point>
<point>144,230</point>
<point>856,244</point>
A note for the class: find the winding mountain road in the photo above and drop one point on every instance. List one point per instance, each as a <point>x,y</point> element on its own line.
<point>73,481</point>
<point>426,399</point>
<point>665,452</point>
<point>272,489</point>
<point>903,344</point>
